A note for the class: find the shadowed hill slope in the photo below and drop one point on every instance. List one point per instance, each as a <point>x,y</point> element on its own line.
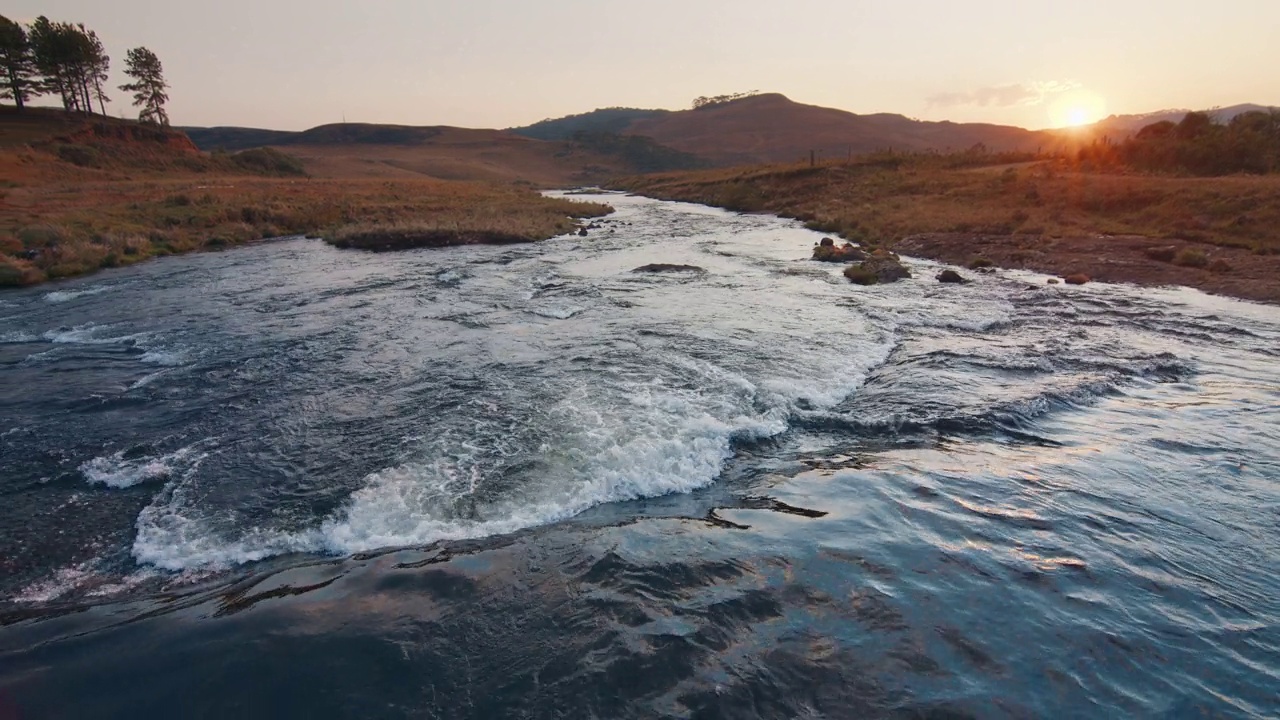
<point>605,120</point>
<point>452,153</point>
<point>773,128</point>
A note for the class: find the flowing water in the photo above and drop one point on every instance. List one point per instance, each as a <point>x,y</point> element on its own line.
<point>526,481</point>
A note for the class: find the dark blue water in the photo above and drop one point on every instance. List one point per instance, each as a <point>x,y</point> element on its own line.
<point>292,481</point>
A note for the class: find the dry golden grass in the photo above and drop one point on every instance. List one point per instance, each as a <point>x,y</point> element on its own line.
<point>457,154</point>
<point>881,200</point>
<point>58,229</point>
<point>80,193</point>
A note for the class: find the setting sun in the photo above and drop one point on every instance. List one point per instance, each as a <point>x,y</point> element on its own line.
<point>1078,116</point>
<point>1077,108</point>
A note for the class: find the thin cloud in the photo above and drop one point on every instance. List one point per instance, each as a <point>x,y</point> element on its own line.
<point>1033,93</point>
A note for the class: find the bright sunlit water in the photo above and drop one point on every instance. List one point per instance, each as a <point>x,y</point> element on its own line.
<point>526,481</point>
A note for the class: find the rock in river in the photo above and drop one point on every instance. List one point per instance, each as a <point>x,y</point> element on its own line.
<point>667,268</point>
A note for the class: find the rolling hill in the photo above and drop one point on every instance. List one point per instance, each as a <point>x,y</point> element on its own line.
<point>451,153</point>
<point>774,128</point>
<point>1121,126</point>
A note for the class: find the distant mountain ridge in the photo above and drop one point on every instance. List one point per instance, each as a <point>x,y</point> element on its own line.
<point>773,128</point>
<point>761,128</point>
<point>1120,126</point>
<point>452,153</point>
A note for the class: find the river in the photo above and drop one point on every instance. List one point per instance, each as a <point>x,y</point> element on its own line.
<point>527,481</point>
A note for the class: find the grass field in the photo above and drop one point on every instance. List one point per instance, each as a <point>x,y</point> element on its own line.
<point>54,230</point>
<point>886,198</point>
<point>81,194</point>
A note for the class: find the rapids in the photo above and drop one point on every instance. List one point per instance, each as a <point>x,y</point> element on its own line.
<point>528,481</point>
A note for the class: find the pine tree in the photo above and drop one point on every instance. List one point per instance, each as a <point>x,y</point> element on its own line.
<point>99,67</point>
<point>54,49</point>
<point>17,67</point>
<point>149,87</point>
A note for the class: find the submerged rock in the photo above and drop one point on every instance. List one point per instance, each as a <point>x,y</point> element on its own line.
<point>951,276</point>
<point>582,232</point>
<point>826,251</point>
<point>667,267</point>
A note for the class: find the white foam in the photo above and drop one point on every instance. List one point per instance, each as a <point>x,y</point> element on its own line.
<point>165,358</point>
<point>61,582</point>
<point>14,337</point>
<point>86,579</point>
<point>61,296</point>
<point>87,334</point>
<point>148,379</point>
<point>557,313</point>
<point>116,471</point>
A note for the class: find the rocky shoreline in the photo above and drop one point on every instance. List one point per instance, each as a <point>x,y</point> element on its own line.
<point>1234,272</point>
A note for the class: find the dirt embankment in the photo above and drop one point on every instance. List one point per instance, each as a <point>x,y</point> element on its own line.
<point>1218,234</point>
<point>1230,271</point>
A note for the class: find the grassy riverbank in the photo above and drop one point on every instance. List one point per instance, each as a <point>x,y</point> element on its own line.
<point>86,192</point>
<point>1047,216</point>
<point>54,230</point>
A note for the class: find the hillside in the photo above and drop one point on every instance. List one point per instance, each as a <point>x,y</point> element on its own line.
<point>773,128</point>
<point>585,148</point>
<point>605,120</point>
<point>1118,127</point>
<point>46,144</point>
<point>452,153</point>
<point>83,192</point>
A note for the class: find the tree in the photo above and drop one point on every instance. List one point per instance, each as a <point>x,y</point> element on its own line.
<point>61,53</point>
<point>16,64</point>
<point>148,87</point>
<point>99,67</point>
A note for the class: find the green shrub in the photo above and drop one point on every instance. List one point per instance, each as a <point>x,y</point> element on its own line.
<point>1191,257</point>
<point>81,155</point>
<point>268,161</point>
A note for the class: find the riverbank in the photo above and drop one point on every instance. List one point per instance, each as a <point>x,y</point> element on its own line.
<point>55,230</point>
<point>1221,235</point>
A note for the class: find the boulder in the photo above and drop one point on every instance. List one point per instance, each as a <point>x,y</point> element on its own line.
<point>881,266</point>
<point>1054,281</point>
<point>951,276</point>
<point>828,252</point>
<point>582,232</point>
<point>1076,279</point>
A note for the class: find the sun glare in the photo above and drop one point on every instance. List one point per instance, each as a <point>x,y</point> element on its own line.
<point>1076,109</point>
<point>1077,116</point>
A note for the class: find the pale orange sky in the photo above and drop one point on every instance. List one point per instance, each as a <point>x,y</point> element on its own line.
<point>293,64</point>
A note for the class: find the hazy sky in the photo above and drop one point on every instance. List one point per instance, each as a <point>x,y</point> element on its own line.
<point>293,64</point>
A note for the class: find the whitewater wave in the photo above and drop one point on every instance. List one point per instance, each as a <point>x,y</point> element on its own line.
<point>166,358</point>
<point>497,471</point>
<point>123,470</point>
<point>89,334</point>
<point>61,296</point>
